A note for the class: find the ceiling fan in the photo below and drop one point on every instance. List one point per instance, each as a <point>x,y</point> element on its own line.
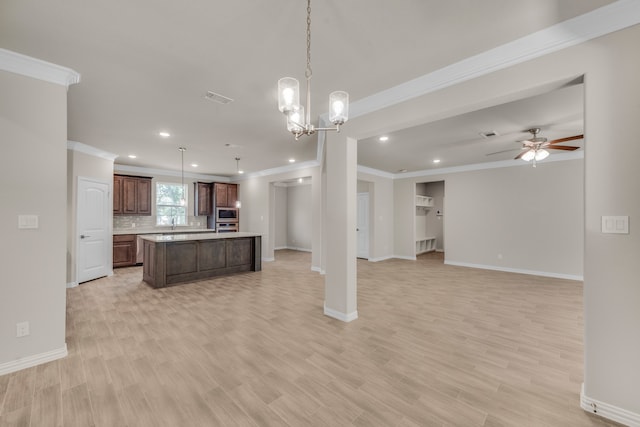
<point>536,147</point>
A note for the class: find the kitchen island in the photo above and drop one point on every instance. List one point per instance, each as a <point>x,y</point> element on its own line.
<point>180,258</point>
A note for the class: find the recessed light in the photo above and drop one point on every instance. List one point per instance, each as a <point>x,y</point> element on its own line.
<point>292,160</point>
<point>383,138</point>
<point>164,134</point>
<point>299,179</point>
<point>194,165</point>
<point>132,156</point>
<point>240,172</point>
<point>436,160</point>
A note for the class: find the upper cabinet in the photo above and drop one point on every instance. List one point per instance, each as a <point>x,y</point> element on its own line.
<point>214,195</point>
<point>203,202</point>
<point>131,195</point>
<point>226,195</point>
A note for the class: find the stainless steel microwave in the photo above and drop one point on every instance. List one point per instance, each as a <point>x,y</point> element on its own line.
<point>227,214</point>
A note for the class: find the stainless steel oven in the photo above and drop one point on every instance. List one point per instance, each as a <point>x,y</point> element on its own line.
<point>226,227</point>
<point>227,215</point>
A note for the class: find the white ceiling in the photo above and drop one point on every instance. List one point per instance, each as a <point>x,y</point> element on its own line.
<point>146,66</point>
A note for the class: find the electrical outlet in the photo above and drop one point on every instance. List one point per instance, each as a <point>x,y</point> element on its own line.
<point>22,329</point>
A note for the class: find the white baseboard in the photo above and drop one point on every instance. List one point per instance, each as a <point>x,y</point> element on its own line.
<point>345,317</point>
<point>608,411</point>
<point>516,270</point>
<point>316,269</point>
<point>268,259</point>
<point>382,258</point>
<point>293,248</point>
<point>410,258</point>
<point>30,361</point>
<point>72,284</point>
<point>279,248</point>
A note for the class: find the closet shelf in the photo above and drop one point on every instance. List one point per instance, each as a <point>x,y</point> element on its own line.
<point>424,201</point>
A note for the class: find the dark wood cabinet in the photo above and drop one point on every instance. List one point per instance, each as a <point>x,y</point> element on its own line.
<point>117,194</point>
<point>221,194</point>
<point>232,195</point>
<point>226,195</point>
<point>143,196</point>
<point>203,205</point>
<point>131,195</point>
<point>124,250</point>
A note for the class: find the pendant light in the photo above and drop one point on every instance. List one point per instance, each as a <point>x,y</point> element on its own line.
<point>183,198</point>
<point>289,99</point>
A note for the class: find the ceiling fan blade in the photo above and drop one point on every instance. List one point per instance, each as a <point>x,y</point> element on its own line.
<point>522,153</point>
<point>562,147</point>
<point>569,138</point>
<point>502,151</point>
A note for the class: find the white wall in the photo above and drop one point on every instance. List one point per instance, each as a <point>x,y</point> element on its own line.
<point>281,218</point>
<point>381,214</point>
<point>33,125</point>
<point>299,214</point>
<point>612,270</point>
<point>520,218</point>
<point>515,218</point>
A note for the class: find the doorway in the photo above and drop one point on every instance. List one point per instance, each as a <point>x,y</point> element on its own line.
<point>93,242</point>
<point>429,217</point>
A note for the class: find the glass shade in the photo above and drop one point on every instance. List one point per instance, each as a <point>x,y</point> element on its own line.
<point>528,156</point>
<point>338,107</point>
<point>295,120</point>
<point>541,155</point>
<point>288,94</point>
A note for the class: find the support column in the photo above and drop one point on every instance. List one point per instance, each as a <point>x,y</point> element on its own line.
<point>340,283</point>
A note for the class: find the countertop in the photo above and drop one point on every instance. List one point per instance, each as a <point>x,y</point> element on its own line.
<point>179,230</point>
<point>196,236</point>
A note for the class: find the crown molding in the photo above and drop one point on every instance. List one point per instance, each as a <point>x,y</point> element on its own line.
<point>278,170</point>
<point>137,170</point>
<point>375,172</point>
<point>92,151</point>
<point>17,63</point>
<point>607,19</point>
<point>561,157</point>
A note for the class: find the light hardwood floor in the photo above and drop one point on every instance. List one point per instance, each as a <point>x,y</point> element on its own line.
<point>434,345</point>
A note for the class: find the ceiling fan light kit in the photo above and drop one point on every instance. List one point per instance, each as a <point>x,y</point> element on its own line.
<point>289,99</point>
<point>536,147</point>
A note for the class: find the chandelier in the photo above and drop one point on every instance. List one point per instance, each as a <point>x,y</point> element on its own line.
<point>289,99</point>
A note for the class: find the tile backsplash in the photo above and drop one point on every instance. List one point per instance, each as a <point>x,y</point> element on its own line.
<point>125,222</point>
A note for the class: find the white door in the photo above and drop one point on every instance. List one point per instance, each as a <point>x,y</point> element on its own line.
<point>363,225</point>
<point>93,242</point>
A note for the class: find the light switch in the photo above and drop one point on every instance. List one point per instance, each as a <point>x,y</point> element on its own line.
<point>615,224</point>
<point>27,221</point>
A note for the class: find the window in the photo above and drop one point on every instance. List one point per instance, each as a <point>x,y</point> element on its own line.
<point>171,204</point>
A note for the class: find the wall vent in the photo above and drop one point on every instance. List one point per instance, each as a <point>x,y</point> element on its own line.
<point>216,97</point>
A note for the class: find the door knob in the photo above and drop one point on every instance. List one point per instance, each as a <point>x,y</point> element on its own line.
<point>82,236</point>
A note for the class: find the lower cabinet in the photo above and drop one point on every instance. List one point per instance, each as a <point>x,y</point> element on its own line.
<point>124,250</point>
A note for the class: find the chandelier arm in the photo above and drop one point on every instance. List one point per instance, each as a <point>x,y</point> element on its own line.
<point>337,129</point>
